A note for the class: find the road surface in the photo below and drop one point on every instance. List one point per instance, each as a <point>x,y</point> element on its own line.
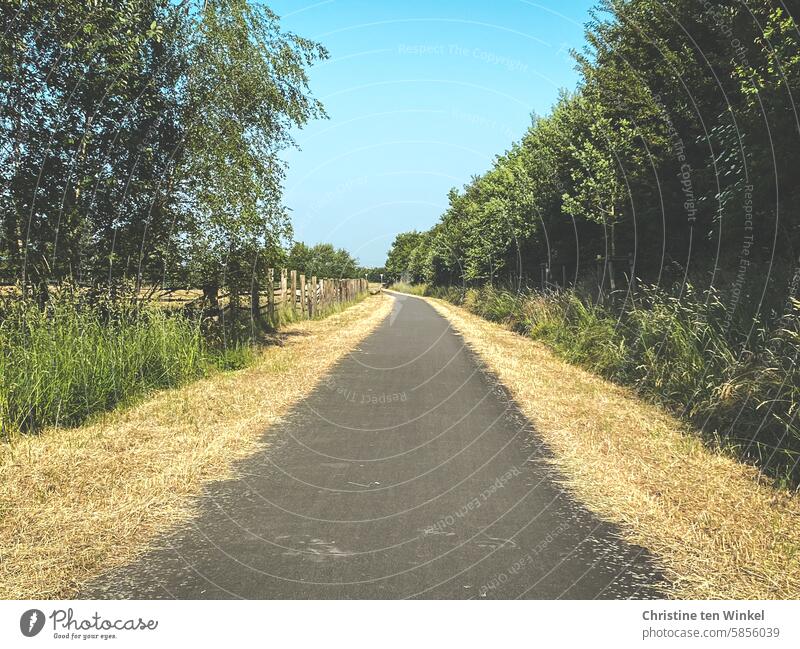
<point>408,473</point>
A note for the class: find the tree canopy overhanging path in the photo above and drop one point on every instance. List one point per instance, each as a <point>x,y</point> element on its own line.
<point>407,473</point>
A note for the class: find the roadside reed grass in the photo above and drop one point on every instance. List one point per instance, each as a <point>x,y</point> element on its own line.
<point>80,355</point>
<point>62,364</point>
<point>411,289</point>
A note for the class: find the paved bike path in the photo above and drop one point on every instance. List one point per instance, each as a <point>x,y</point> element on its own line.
<point>407,472</point>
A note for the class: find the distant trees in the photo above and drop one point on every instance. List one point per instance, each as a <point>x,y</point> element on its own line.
<point>139,139</point>
<point>322,260</point>
<point>374,273</point>
<point>398,261</point>
<point>677,150</point>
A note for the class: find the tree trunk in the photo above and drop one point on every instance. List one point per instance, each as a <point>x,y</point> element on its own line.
<point>12,220</point>
<point>14,242</point>
<point>613,251</point>
<point>211,296</point>
<point>42,292</point>
<point>255,301</point>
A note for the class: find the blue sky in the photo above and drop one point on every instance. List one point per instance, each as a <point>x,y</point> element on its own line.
<point>420,96</point>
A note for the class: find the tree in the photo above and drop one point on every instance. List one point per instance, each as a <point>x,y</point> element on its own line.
<point>141,139</point>
<point>322,260</point>
<point>678,146</point>
<point>599,189</point>
<point>246,88</point>
<point>397,262</point>
<point>88,131</point>
<point>373,273</point>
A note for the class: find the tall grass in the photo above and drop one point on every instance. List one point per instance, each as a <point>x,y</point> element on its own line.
<point>84,354</point>
<point>60,365</point>
<point>411,289</point>
<point>739,383</point>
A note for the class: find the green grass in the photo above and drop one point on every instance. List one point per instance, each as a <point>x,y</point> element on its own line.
<point>742,391</point>
<point>411,289</point>
<point>62,365</point>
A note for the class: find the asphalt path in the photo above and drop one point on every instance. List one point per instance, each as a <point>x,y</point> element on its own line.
<point>407,473</point>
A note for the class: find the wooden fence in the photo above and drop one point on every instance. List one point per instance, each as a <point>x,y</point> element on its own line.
<point>306,296</point>
<point>290,290</point>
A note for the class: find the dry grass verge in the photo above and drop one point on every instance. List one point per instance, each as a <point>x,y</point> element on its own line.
<point>719,531</point>
<point>75,502</point>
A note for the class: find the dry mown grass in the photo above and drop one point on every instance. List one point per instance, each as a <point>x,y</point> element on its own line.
<point>718,530</point>
<point>74,502</point>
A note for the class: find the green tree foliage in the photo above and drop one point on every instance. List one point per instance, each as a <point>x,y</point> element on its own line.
<point>140,139</point>
<point>322,260</point>
<point>246,88</point>
<point>404,244</point>
<point>373,273</point>
<point>88,130</point>
<point>677,150</point>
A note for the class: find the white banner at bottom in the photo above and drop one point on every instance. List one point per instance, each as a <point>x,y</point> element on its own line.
<point>371,624</point>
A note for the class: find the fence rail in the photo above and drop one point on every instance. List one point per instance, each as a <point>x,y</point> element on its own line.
<point>289,288</point>
<point>307,296</point>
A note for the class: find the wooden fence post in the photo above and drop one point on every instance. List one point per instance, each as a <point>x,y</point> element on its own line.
<point>312,304</point>
<point>600,279</point>
<point>271,294</point>
<point>303,294</point>
<point>293,289</point>
<point>283,288</point>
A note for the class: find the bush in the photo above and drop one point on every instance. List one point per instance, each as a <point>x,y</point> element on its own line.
<point>411,289</point>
